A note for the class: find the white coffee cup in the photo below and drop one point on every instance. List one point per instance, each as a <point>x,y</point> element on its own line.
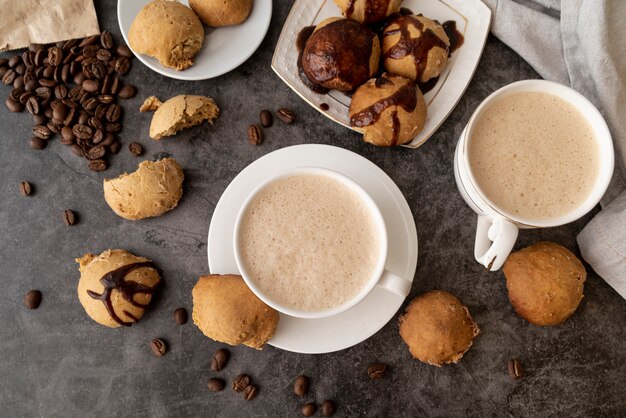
<point>380,277</point>
<point>496,232</point>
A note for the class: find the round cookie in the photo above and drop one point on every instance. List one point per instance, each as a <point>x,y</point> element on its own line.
<point>415,47</point>
<point>152,190</point>
<point>437,328</point>
<point>368,11</point>
<point>116,286</point>
<point>218,13</point>
<point>545,283</point>
<point>167,31</point>
<point>226,310</point>
<point>181,112</point>
<point>389,110</point>
<point>340,54</point>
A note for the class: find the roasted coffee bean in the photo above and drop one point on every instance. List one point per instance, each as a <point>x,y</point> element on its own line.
<point>76,150</point>
<point>18,82</point>
<point>60,112</point>
<point>39,72</point>
<point>122,65</point>
<point>54,126</point>
<point>100,111</point>
<point>66,72</point>
<point>9,77</point>
<point>70,117</point>
<point>74,68</point>
<point>68,45</point>
<point>48,72</point>
<point>67,136</point>
<point>309,409</point>
<point>285,115</point>
<point>377,371</point>
<point>91,103</point>
<point>124,51</point>
<point>57,76</point>
<point>515,369</point>
<point>180,316</point>
<point>24,97</point>
<point>95,123</point>
<point>40,119</point>
<point>25,188</point>
<point>83,117</point>
<point>31,85</point>
<point>32,105</point>
<point>69,217</point>
<point>90,40</point>
<point>16,93</point>
<point>40,55</point>
<point>108,140</point>
<point>241,382</point>
<point>26,58</point>
<point>47,83</point>
<point>79,78</point>
<point>47,111</point>
<point>135,148</point>
<point>98,136</point>
<point>106,98</point>
<point>220,359</point>
<point>20,69</point>
<point>60,91</point>
<point>38,143</point>
<point>4,62</point>
<point>329,408</point>
<point>41,131</point>
<point>3,71</point>
<point>13,105</point>
<point>113,127</point>
<point>106,39</point>
<point>116,85</point>
<point>106,85</point>
<point>216,385</point>
<point>82,131</point>
<point>266,118</point>
<point>255,134</point>
<point>43,92</point>
<point>14,61</point>
<point>90,51</point>
<point>103,55</point>
<point>98,165</point>
<point>91,86</point>
<point>96,153</point>
<point>114,112</point>
<point>158,347</point>
<point>301,385</point>
<point>55,56</point>
<point>32,299</point>
<point>98,70</point>
<point>127,92</point>
<point>250,392</point>
<point>29,76</point>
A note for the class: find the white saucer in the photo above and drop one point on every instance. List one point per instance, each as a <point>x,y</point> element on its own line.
<point>365,319</point>
<point>223,50</point>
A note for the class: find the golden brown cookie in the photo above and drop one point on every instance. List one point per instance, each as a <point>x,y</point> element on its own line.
<point>545,283</point>
<point>218,13</point>
<point>437,328</point>
<point>182,112</point>
<point>155,188</point>
<point>388,110</point>
<point>167,31</point>
<point>116,286</point>
<point>415,47</point>
<point>368,11</point>
<point>341,54</point>
<point>226,310</point>
<point>151,104</point>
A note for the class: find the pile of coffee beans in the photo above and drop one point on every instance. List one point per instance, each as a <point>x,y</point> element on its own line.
<point>71,88</point>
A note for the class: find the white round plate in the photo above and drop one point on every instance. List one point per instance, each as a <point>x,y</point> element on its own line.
<point>349,328</point>
<point>224,48</point>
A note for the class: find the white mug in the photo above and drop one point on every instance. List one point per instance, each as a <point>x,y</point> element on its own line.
<point>380,277</point>
<point>496,232</point>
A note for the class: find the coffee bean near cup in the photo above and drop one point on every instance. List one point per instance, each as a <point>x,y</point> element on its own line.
<point>311,243</point>
<point>534,154</point>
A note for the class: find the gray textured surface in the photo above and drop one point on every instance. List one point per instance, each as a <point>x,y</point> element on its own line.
<point>55,361</point>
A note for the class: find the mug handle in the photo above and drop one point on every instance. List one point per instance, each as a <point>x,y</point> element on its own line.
<point>394,284</point>
<point>495,238</point>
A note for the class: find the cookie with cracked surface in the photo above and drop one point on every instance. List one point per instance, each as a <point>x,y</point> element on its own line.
<point>182,112</point>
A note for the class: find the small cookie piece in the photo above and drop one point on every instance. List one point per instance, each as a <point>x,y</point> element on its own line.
<point>389,110</point>
<point>167,31</point>
<point>182,112</point>
<point>437,328</point>
<point>367,11</point>
<point>415,47</point>
<point>218,13</point>
<point>116,286</point>
<point>226,310</point>
<point>152,190</point>
<point>151,104</point>
<point>545,283</point>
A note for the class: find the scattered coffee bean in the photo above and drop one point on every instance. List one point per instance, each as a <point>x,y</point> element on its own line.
<point>180,316</point>
<point>241,382</point>
<point>255,134</point>
<point>13,105</point>
<point>216,385</point>
<point>377,371</point>
<point>98,165</point>
<point>67,136</point>
<point>40,119</point>
<point>38,143</point>
<point>106,39</point>
<point>309,409</point>
<point>14,61</point>
<point>113,112</point>
<point>114,148</point>
<point>9,77</point>
<point>329,408</point>
<point>124,51</point>
<point>285,115</point>
<point>127,92</point>
<point>55,56</point>
<point>96,152</point>
<point>91,86</point>
<point>104,55</point>
<point>122,65</point>
<point>82,131</point>
<point>515,369</point>
<point>69,217</point>
<point>25,188</point>
<point>135,148</point>
<point>250,392</point>
<point>220,360</point>
<point>32,299</point>
<point>32,105</point>
<point>301,385</point>
<point>158,347</point>
<point>266,118</point>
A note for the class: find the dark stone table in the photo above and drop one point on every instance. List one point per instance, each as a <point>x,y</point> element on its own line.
<point>55,361</point>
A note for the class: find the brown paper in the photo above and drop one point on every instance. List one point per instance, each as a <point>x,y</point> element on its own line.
<point>23,22</point>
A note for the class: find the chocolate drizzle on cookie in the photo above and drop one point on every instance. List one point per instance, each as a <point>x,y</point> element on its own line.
<point>115,280</point>
<point>454,36</point>
<point>304,36</point>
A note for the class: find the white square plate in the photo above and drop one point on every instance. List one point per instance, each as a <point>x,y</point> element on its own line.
<point>472,19</point>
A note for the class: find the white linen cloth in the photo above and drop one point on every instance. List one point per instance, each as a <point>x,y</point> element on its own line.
<point>581,43</point>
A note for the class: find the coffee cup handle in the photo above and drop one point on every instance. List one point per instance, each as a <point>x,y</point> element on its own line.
<point>394,284</point>
<point>495,238</point>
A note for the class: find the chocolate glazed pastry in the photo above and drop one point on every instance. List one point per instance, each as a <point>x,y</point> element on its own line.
<point>341,54</point>
<point>368,11</point>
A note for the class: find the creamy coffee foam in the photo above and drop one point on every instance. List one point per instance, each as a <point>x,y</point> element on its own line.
<point>534,155</point>
<point>309,242</point>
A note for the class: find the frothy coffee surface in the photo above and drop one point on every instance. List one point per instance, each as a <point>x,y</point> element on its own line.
<point>534,155</point>
<point>309,242</point>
